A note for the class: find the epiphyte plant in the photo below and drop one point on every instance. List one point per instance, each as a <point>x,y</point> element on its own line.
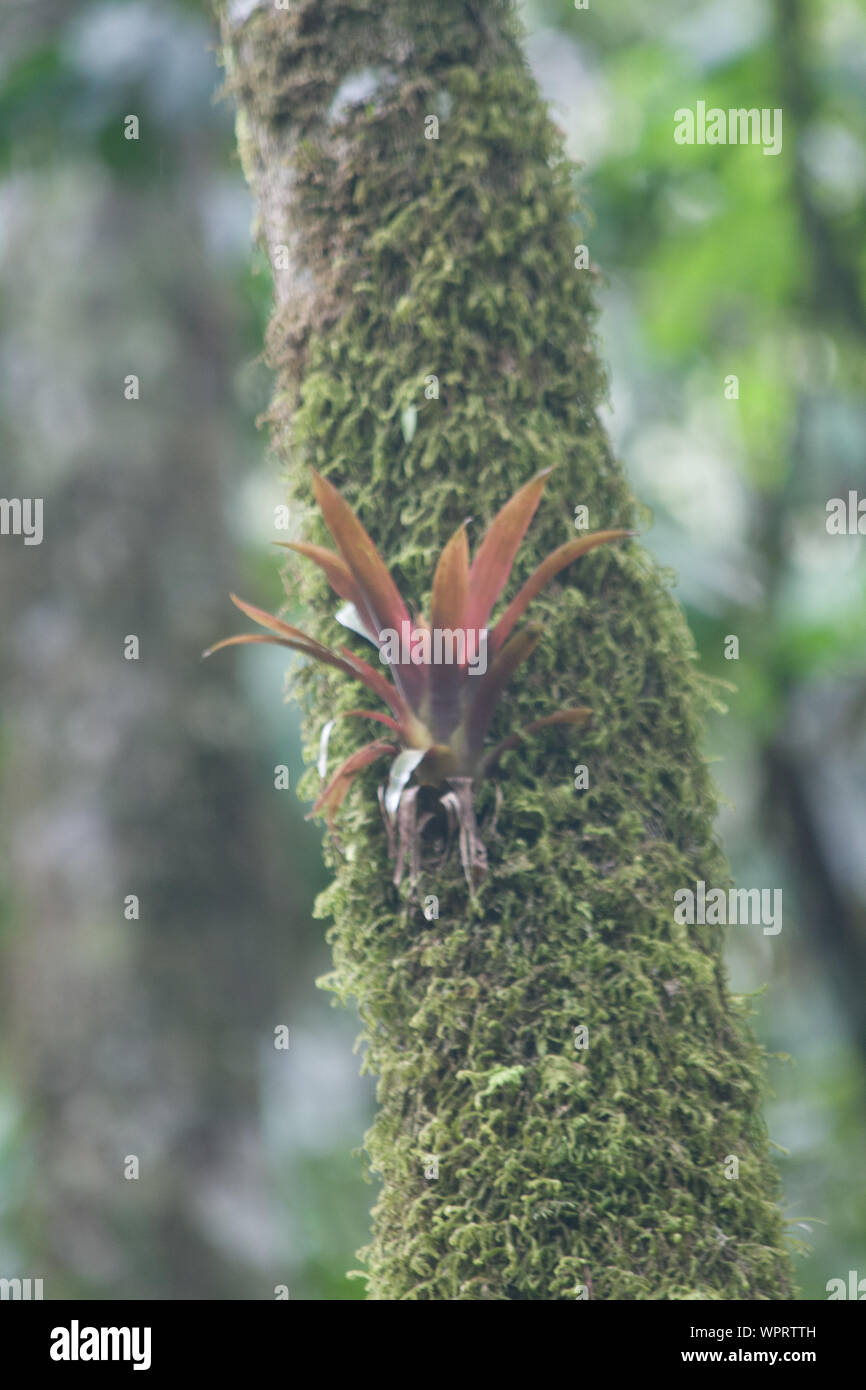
<point>441,708</point>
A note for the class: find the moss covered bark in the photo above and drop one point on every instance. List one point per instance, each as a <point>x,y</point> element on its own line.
<point>559,1170</point>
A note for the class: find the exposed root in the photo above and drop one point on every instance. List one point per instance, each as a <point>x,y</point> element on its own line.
<point>405,830</point>
<point>473,855</point>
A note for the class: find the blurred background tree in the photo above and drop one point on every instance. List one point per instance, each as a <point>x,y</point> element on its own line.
<point>151,1037</point>
<point>155,1036</point>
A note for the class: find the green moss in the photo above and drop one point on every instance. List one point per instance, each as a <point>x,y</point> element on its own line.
<point>556,1167</point>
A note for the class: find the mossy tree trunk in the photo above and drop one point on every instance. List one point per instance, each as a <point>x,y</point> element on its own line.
<point>562,1172</point>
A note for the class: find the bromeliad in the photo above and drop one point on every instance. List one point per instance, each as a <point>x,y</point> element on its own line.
<point>442,697</point>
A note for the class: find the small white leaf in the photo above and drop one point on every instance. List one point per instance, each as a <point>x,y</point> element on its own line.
<point>322,764</point>
<point>401,770</point>
<point>408,422</point>
<point>349,617</point>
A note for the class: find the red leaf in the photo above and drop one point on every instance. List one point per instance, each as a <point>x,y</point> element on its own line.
<point>380,596</point>
<point>276,625</point>
<point>350,714</point>
<point>451,583</point>
<point>336,571</point>
<point>287,636</point>
<point>491,685</point>
<point>580,715</point>
<point>372,714</point>
<point>555,561</point>
<point>492,565</point>
<point>245,639</point>
<point>335,792</point>
<point>379,593</point>
<point>374,680</point>
<point>448,613</point>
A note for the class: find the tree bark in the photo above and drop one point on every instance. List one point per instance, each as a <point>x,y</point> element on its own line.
<point>561,1172</point>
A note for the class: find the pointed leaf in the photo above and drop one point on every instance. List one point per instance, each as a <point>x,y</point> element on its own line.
<point>451,583</point>
<point>276,625</point>
<point>335,569</point>
<point>492,565</point>
<point>580,715</point>
<point>373,714</point>
<point>335,792</point>
<point>292,637</point>
<point>379,593</point>
<point>374,680</point>
<point>249,638</point>
<point>347,661</point>
<point>555,561</point>
<point>322,762</point>
<point>348,616</point>
<point>408,422</point>
<point>448,614</point>
<point>493,682</point>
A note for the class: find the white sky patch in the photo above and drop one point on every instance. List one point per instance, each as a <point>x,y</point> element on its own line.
<point>713,34</point>
<point>166,50</point>
<point>692,474</point>
<point>313,1090</point>
<point>691,470</point>
<point>261,493</point>
<point>836,164</point>
<point>826,574</point>
<point>841,28</point>
<point>226,217</point>
<point>578,95</point>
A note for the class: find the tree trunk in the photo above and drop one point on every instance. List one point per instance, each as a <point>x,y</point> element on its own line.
<point>515,1164</point>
